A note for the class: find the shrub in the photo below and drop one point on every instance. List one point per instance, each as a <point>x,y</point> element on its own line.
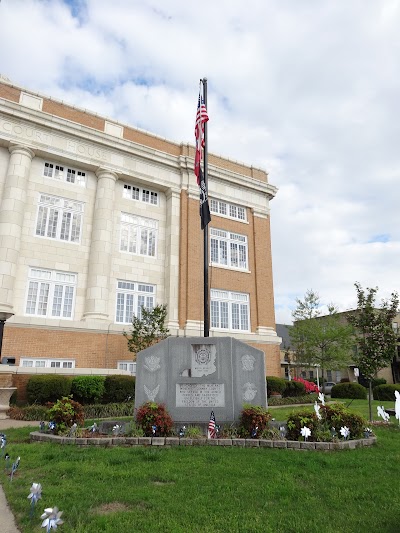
<point>47,388</point>
<point>87,389</point>
<point>294,388</point>
<point>309,385</point>
<point>337,416</point>
<point>298,420</point>
<point>119,389</point>
<point>385,392</point>
<point>194,432</point>
<point>275,385</point>
<point>378,381</point>
<point>349,390</point>
<point>252,417</point>
<point>153,414</point>
<point>345,380</point>
<point>332,416</point>
<point>65,413</point>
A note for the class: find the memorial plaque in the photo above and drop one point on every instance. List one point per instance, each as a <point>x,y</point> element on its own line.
<point>193,376</point>
<point>200,395</point>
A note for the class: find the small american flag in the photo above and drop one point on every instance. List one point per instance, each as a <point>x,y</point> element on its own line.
<point>201,119</point>
<point>211,426</point>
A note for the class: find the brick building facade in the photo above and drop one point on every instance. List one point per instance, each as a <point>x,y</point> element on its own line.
<point>98,218</point>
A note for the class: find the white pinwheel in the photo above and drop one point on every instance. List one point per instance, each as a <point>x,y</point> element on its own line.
<point>397,405</point>
<point>345,432</point>
<point>317,408</point>
<point>116,429</point>
<point>305,432</point>
<point>36,493</point>
<point>321,398</point>
<point>52,518</point>
<point>382,413</point>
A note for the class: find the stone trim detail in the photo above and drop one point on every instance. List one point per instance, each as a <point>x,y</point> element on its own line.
<point>36,436</point>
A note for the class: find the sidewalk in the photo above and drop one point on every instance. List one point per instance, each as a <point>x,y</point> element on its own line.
<point>8,524</point>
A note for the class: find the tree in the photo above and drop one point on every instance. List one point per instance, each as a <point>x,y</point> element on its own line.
<point>375,337</point>
<point>323,341</point>
<point>147,329</point>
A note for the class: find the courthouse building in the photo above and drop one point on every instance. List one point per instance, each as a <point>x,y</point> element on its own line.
<point>98,218</point>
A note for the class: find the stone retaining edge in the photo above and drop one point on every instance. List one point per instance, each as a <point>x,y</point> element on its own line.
<point>36,436</point>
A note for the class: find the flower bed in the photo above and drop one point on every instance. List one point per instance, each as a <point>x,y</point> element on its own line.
<point>107,441</point>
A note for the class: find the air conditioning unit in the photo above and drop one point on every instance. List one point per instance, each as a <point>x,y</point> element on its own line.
<point>8,360</point>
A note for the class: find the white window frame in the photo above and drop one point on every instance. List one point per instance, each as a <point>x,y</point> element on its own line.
<point>33,362</point>
<point>140,194</point>
<point>130,366</point>
<point>50,294</point>
<point>230,311</point>
<point>130,298</point>
<point>138,236</point>
<point>228,249</point>
<point>59,218</point>
<point>228,210</point>
<point>64,173</point>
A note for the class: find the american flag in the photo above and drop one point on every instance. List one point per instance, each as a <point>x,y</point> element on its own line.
<point>211,426</point>
<point>201,119</point>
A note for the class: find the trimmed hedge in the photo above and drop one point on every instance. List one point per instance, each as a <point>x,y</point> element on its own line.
<point>275,384</point>
<point>47,388</point>
<point>349,390</point>
<point>294,388</point>
<point>119,389</point>
<point>307,398</point>
<point>385,392</point>
<point>87,389</point>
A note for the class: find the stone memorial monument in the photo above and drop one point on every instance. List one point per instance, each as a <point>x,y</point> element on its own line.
<point>195,375</point>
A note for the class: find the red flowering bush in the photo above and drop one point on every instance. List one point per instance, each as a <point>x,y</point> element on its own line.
<point>252,417</point>
<point>309,386</point>
<point>153,415</point>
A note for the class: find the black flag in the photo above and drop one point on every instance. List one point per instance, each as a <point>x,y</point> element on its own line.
<point>204,208</point>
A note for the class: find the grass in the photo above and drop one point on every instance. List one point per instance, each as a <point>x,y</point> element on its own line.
<point>357,406</point>
<point>209,489</point>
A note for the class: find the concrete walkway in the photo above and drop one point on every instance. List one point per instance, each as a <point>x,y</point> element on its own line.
<point>8,524</point>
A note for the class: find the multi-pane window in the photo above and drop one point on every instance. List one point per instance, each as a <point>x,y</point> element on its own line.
<point>70,175</point>
<point>130,366</point>
<point>227,210</point>
<point>230,310</point>
<point>59,218</point>
<point>131,297</point>
<point>143,195</point>
<point>47,363</point>
<point>229,249</point>
<point>51,293</point>
<point>138,235</point>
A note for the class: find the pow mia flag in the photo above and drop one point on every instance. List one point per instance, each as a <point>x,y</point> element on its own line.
<point>204,208</point>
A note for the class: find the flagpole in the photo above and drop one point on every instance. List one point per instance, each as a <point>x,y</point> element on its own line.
<point>205,230</point>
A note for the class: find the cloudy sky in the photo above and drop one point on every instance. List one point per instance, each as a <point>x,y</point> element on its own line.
<point>307,89</point>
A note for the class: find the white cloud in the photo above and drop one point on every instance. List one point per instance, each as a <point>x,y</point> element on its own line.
<point>307,90</point>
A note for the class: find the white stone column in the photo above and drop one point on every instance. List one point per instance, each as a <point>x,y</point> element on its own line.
<point>97,294</point>
<point>12,209</point>
<point>172,258</point>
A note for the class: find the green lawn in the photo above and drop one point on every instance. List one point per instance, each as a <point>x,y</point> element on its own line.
<point>358,406</point>
<point>209,489</point>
